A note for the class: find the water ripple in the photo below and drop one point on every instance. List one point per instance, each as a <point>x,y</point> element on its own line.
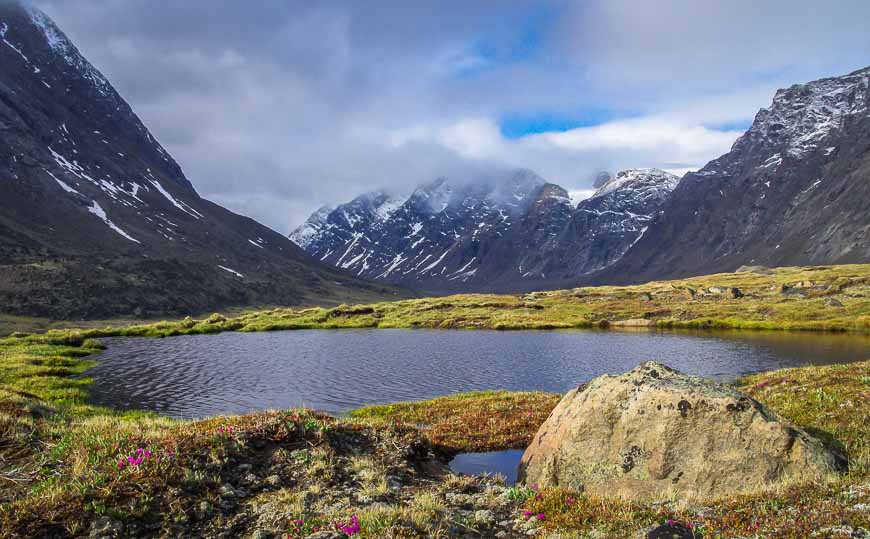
<point>206,375</point>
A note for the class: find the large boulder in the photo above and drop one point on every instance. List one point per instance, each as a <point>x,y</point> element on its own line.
<point>654,433</point>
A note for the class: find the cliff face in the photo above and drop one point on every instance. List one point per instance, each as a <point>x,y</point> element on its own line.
<point>98,220</point>
<point>793,190</point>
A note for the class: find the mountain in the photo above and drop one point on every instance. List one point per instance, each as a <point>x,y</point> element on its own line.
<point>98,220</point>
<point>793,190</point>
<point>509,232</point>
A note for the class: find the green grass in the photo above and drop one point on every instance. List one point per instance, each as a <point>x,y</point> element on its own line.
<point>59,455</point>
<point>472,422</point>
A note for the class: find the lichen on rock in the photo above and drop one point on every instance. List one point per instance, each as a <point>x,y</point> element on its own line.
<point>656,433</point>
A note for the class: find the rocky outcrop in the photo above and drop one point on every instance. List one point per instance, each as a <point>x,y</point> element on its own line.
<point>655,433</point>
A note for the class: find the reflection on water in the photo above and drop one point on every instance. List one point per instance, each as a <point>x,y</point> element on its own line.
<point>338,370</point>
<point>505,463</point>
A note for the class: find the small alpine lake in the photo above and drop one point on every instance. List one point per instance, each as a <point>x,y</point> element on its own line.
<point>339,370</point>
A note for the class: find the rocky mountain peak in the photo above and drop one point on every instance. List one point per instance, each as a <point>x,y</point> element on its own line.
<point>638,179</point>
<point>792,190</point>
<point>803,116</point>
<point>601,178</point>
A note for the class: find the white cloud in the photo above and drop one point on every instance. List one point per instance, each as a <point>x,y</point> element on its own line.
<point>571,158</point>
<point>278,109</point>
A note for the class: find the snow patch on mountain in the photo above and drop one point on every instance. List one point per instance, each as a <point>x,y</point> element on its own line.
<point>98,210</point>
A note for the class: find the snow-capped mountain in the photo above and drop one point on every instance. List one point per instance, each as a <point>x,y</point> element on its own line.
<point>601,228</point>
<point>793,190</point>
<point>508,232</point>
<point>97,219</point>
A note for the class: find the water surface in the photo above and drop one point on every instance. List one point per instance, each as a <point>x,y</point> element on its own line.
<point>338,370</point>
<point>504,463</point>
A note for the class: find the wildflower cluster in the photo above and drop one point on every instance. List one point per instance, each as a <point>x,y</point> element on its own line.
<point>352,528</point>
<point>302,528</point>
<point>140,456</point>
<point>135,459</point>
<point>228,430</point>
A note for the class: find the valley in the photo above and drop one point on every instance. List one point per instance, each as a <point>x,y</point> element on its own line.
<point>535,304</point>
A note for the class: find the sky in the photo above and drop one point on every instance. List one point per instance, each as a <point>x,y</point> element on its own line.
<point>276,107</point>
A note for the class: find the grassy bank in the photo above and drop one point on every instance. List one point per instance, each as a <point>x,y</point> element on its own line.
<point>828,298</point>
<point>68,468</point>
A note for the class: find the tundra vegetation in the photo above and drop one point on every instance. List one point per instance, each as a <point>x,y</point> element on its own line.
<point>70,468</point>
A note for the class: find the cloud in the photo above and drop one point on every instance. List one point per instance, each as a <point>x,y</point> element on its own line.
<point>276,109</point>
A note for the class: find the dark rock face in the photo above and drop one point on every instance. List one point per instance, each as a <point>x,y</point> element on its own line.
<point>516,232</point>
<point>793,190</point>
<point>98,220</point>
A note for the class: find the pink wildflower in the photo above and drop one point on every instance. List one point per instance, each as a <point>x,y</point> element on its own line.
<point>352,528</point>
<point>541,516</point>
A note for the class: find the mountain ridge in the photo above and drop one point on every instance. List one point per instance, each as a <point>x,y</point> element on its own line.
<point>793,190</point>
<point>99,220</point>
<point>513,231</point>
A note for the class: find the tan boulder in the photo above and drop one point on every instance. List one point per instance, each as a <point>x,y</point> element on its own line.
<point>655,433</point>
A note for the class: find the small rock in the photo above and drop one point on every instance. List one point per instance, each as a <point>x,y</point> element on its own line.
<point>671,531</point>
<point>394,483</point>
<point>273,480</point>
<point>262,534</point>
<point>244,468</point>
<point>458,499</point>
<point>106,527</point>
<point>227,491</point>
<point>633,323</point>
<point>483,516</point>
<point>646,296</point>
<point>760,270</point>
<point>736,293</point>
<point>716,290</point>
<point>833,302</point>
<point>326,535</point>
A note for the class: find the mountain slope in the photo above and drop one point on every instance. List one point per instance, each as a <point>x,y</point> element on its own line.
<point>514,232</point>
<point>793,190</point>
<point>97,219</point>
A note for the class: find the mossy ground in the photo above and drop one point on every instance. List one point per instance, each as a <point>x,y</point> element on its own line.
<point>472,422</point>
<point>59,456</point>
